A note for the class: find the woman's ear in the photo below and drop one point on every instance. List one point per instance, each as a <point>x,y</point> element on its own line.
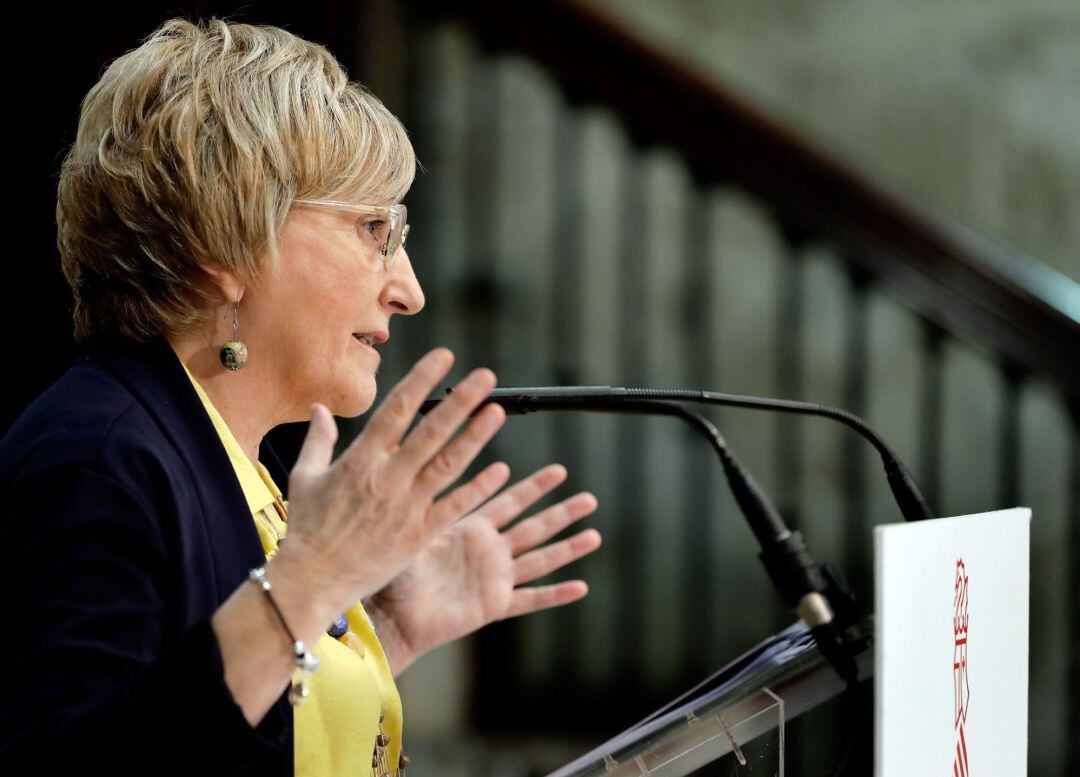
<point>228,285</point>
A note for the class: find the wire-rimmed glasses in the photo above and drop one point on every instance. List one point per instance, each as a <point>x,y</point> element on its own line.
<point>387,230</point>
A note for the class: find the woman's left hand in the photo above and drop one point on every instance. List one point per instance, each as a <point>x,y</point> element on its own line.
<point>470,574</point>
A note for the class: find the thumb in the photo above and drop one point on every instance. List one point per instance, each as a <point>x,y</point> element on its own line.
<point>318,447</point>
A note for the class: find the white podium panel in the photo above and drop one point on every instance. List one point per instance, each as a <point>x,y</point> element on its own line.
<point>951,649</point>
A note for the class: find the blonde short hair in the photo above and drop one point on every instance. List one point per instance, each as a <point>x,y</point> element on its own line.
<point>191,149</point>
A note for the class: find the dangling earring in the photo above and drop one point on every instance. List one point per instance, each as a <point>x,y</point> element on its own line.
<point>234,354</point>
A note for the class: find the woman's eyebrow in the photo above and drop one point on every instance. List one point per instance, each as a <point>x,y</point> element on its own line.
<point>349,216</point>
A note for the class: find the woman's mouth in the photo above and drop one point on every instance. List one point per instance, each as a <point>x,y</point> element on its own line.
<point>367,342</point>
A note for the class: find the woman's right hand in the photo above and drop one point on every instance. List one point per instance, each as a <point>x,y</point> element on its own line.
<point>357,522</point>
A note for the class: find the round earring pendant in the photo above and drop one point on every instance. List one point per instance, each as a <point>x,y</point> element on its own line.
<point>234,355</point>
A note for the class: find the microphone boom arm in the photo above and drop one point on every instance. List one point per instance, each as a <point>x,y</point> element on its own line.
<point>908,497</point>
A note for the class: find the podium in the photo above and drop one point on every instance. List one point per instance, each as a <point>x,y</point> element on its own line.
<point>947,592</point>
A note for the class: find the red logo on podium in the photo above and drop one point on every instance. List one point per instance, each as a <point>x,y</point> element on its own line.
<point>961,689</point>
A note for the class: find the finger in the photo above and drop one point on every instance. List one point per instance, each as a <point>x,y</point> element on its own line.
<point>515,500</point>
<point>531,599</point>
<point>391,420</point>
<point>432,433</point>
<point>546,524</point>
<point>537,563</point>
<point>452,461</point>
<point>465,498</point>
<point>318,448</point>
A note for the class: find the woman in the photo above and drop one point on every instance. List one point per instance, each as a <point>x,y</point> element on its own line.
<point>230,223</point>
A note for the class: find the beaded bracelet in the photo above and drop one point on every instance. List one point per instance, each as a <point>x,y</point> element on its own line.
<point>306,663</point>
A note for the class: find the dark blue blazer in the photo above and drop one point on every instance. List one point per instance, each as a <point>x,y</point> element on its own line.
<point>122,529</point>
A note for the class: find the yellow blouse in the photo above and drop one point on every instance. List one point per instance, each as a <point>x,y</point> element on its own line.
<point>336,726</point>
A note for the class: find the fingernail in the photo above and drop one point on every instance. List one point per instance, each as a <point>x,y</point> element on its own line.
<point>482,376</point>
<point>442,357</point>
<point>496,416</point>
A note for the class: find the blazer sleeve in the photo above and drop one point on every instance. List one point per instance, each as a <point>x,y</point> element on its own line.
<point>93,675</point>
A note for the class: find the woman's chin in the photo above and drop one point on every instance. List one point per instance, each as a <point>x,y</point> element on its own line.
<point>354,403</point>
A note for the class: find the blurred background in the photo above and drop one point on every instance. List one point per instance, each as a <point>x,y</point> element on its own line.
<point>874,205</point>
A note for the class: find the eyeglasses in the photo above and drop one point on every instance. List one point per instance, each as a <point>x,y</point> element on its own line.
<point>386,230</point>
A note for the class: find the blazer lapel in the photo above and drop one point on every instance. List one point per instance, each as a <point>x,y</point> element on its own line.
<point>153,374</point>
<point>270,459</point>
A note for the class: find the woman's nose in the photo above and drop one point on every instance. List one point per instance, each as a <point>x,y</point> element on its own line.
<point>403,292</point>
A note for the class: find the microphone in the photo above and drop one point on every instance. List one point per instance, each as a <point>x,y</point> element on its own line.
<point>518,401</point>
<point>816,593</point>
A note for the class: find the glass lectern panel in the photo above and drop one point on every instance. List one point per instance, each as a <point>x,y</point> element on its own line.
<point>747,738</point>
<point>734,721</point>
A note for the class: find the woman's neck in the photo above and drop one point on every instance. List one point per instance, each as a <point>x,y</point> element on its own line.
<point>245,398</point>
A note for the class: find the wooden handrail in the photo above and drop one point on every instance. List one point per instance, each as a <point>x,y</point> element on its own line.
<point>982,292</point>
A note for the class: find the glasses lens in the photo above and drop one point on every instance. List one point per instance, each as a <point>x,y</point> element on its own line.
<point>398,231</point>
<point>380,231</point>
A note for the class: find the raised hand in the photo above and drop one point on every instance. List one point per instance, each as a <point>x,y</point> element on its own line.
<point>356,523</point>
<point>474,572</point>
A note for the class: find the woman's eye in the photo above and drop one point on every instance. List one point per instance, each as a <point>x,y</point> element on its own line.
<point>376,228</point>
